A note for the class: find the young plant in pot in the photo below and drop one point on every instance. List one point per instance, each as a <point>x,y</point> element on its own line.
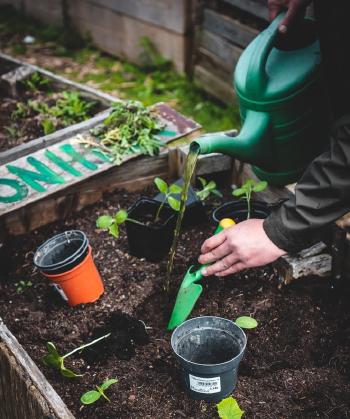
<point>244,208</point>
<point>149,223</point>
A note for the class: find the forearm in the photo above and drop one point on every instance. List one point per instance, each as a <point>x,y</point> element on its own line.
<point>321,196</point>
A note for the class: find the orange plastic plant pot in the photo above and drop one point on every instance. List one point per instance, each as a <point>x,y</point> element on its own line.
<point>81,284</point>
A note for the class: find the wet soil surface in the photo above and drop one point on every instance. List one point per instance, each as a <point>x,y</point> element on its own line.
<point>297,362</point>
<point>21,123</point>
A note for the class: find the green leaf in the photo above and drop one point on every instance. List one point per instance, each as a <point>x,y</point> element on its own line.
<point>260,186</point>
<point>239,192</point>
<point>51,360</point>
<point>121,216</point>
<point>174,203</point>
<point>202,181</point>
<point>90,397</point>
<point>104,222</point>
<point>175,188</point>
<point>114,230</point>
<point>48,126</point>
<point>211,185</point>
<point>108,383</point>
<point>161,185</point>
<point>246,322</point>
<point>69,373</point>
<point>229,409</point>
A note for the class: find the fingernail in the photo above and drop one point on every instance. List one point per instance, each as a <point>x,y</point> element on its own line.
<point>283,29</point>
<point>204,272</point>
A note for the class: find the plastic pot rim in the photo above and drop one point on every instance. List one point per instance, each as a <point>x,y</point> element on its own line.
<point>69,259</point>
<point>56,276</point>
<point>239,201</point>
<point>150,200</point>
<point>208,317</point>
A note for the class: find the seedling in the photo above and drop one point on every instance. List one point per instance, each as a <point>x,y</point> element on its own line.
<point>167,191</point>
<point>229,409</point>
<point>48,126</point>
<point>246,190</point>
<point>92,396</point>
<point>55,360</point>
<point>36,82</point>
<point>246,322</point>
<point>107,222</point>
<point>208,188</point>
<point>22,286</point>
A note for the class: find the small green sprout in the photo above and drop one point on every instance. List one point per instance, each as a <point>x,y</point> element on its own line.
<point>229,409</point>
<point>168,191</point>
<point>36,82</point>
<point>246,322</point>
<point>55,360</point>
<point>92,396</point>
<point>208,188</point>
<point>247,189</point>
<point>22,285</point>
<point>112,223</point>
<point>48,126</point>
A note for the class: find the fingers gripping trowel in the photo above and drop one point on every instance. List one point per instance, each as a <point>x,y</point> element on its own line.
<point>190,290</point>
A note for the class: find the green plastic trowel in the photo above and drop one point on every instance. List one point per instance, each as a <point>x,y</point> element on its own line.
<point>190,290</point>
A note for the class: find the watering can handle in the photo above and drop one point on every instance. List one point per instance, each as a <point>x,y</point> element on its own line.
<point>256,74</point>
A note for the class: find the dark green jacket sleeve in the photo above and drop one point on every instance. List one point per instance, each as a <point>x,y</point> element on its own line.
<point>321,196</point>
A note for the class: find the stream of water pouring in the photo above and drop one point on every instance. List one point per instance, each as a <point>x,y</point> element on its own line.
<point>188,172</point>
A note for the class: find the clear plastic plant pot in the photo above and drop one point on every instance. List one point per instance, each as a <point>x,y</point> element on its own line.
<point>150,240</point>
<point>209,350</point>
<point>237,210</point>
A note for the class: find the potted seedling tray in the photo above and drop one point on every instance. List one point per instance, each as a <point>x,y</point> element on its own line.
<point>294,359</point>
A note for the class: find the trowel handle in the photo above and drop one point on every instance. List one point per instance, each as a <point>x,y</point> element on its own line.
<point>256,74</point>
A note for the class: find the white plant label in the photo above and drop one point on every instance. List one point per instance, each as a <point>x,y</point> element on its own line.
<point>205,385</point>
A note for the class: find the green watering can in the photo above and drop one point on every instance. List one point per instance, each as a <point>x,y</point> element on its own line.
<point>282,105</point>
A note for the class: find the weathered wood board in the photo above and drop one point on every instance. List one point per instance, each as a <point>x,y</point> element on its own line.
<point>256,8</point>
<point>120,35</point>
<point>46,11</point>
<point>168,14</point>
<point>227,28</point>
<point>67,176</point>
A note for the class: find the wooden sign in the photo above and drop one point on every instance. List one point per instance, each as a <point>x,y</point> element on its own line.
<point>59,167</point>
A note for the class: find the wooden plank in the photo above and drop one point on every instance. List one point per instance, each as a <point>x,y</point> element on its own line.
<point>292,268</point>
<point>256,8</point>
<point>169,14</point>
<point>214,85</point>
<point>230,29</point>
<point>120,35</point>
<point>45,11</point>
<point>215,66</point>
<point>224,50</point>
<point>24,391</point>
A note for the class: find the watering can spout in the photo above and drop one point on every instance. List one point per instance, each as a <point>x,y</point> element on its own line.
<point>251,145</point>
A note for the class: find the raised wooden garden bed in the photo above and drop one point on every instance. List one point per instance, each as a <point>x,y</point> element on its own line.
<point>289,346</point>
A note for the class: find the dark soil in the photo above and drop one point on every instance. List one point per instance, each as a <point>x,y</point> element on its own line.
<point>27,126</point>
<point>297,362</point>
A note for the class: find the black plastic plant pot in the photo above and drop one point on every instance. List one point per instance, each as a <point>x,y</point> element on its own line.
<point>238,210</point>
<point>209,350</point>
<point>148,240</point>
<point>62,252</point>
<point>195,212</point>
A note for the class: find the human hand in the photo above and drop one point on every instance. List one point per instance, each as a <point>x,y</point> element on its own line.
<point>244,245</point>
<point>295,10</point>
